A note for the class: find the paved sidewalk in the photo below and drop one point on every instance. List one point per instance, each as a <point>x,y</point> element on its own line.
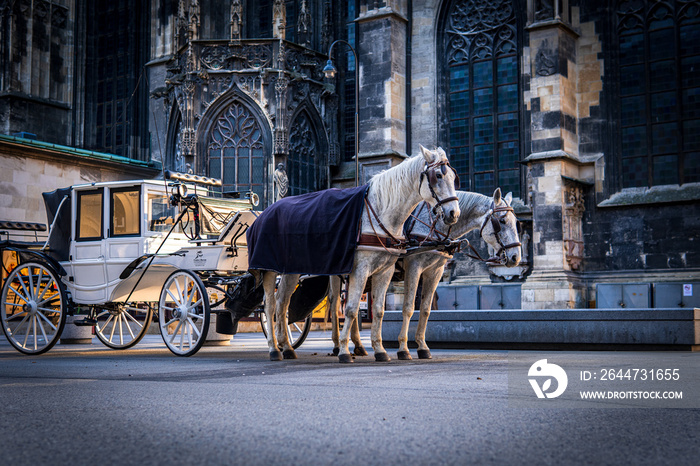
<point>87,405</point>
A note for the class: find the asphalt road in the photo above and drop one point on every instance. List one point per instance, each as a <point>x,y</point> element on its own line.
<point>86,404</point>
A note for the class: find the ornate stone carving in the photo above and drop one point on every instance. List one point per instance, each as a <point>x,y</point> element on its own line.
<point>279,19</point>
<point>59,16</point>
<point>327,28</point>
<point>236,21</point>
<point>545,60</point>
<point>573,224</point>
<point>304,25</point>
<point>544,10</point>
<point>193,24</point>
<point>253,56</point>
<point>41,10</point>
<point>281,182</point>
<point>281,144</point>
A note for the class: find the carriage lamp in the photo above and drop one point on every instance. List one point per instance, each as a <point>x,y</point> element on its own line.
<point>179,189</point>
<point>329,72</point>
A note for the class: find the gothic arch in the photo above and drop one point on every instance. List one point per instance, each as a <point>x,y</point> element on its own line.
<point>307,162</point>
<point>234,143</point>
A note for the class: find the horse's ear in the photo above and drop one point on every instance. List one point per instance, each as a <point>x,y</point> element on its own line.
<point>497,196</point>
<point>509,198</point>
<point>441,152</point>
<point>427,155</point>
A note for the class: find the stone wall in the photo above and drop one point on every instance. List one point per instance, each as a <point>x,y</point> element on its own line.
<point>29,169</point>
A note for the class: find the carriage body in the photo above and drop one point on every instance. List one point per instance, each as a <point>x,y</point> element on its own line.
<point>122,250</point>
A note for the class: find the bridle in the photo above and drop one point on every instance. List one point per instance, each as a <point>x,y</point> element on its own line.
<point>495,224</point>
<point>391,242</point>
<point>431,173</point>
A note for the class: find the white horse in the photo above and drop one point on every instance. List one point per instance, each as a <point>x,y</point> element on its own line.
<point>498,227</point>
<point>391,197</point>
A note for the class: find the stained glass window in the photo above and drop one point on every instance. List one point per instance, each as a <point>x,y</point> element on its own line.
<point>236,151</point>
<point>659,53</point>
<point>304,171</point>
<point>481,52</point>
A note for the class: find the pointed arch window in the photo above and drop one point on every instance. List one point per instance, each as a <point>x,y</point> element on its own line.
<point>658,48</point>
<point>303,168</point>
<point>481,76</point>
<point>236,151</point>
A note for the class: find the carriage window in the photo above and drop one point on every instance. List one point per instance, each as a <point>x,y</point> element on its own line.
<point>89,215</point>
<point>161,214</point>
<point>125,205</point>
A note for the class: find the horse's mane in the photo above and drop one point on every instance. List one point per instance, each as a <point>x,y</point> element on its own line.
<point>468,201</point>
<point>470,205</point>
<point>389,187</point>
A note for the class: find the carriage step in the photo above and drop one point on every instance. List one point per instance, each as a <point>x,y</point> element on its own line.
<point>86,322</point>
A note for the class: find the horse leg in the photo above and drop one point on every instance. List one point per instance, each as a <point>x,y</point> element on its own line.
<point>356,285</point>
<point>269,279</point>
<point>380,283</point>
<point>285,289</point>
<point>431,278</point>
<point>333,307</point>
<point>412,276</point>
<point>355,336</point>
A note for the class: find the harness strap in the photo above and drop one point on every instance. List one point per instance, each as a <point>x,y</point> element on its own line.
<point>390,241</point>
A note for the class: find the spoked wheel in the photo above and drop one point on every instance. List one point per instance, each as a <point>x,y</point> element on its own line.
<point>33,308</point>
<point>183,313</point>
<point>123,326</point>
<point>296,331</point>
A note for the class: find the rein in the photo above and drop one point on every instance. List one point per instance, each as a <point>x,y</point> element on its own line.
<point>371,240</point>
<point>456,245</point>
<point>390,241</point>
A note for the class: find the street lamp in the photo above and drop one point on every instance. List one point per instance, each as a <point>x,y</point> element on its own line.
<point>330,71</point>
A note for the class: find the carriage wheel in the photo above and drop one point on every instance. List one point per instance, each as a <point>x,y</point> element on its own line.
<point>296,331</point>
<point>33,308</point>
<point>183,313</point>
<point>124,326</point>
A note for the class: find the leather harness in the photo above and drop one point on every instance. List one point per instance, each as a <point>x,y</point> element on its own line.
<point>389,241</point>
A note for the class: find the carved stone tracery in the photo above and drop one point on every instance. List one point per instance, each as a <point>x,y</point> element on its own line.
<point>479,29</point>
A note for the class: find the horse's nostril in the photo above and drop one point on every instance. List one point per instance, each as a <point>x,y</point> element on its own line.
<point>514,258</point>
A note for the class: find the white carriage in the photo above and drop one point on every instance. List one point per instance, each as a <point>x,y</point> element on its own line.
<point>120,251</point>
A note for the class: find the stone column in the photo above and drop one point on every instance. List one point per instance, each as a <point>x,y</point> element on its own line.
<point>557,176</point>
<point>382,60</point>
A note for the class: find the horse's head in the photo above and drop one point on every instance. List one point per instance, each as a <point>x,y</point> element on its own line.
<point>500,229</point>
<point>437,185</point>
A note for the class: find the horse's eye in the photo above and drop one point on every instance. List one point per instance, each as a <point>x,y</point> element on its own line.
<point>503,221</point>
<point>439,176</point>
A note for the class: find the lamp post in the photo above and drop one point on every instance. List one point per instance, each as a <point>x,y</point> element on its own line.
<point>329,71</point>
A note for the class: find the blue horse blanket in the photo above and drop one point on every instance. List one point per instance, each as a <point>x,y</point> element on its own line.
<point>313,233</point>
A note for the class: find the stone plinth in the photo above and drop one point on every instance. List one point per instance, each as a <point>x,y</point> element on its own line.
<point>565,328</point>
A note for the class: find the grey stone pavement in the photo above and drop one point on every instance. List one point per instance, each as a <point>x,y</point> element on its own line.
<point>89,405</point>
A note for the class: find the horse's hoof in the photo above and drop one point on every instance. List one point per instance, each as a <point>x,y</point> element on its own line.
<point>345,358</point>
<point>424,354</point>
<point>289,354</point>
<point>381,357</point>
<point>404,356</point>
<point>336,351</point>
<point>360,351</point>
<point>275,356</point>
